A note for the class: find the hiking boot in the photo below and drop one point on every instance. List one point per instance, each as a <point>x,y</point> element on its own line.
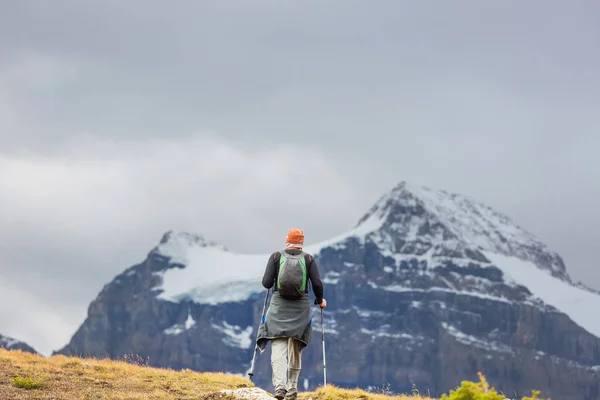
<point>280,394</point>
<point>292,396</point>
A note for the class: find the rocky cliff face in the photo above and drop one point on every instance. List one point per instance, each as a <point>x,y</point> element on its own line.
<point>429,288</point>
<point>9,343</point>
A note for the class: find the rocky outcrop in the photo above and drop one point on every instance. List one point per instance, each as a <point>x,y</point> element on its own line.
<point>413,301</point>
<point>126,319</point>
<point>9,343</point>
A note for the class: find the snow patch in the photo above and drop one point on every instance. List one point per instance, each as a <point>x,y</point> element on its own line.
<point>329,322</point>
<point>471,221</point>
<point>471,340</point>
<point>576,303</point>
<point>235,336</point>
<point>364,313</point>
<point>174,330</point>
<point>381,333</point>
<point>7,342</point>
<point>331,278</point>
<point>180,328</point>
<point>189,322</point>
<point>212,275</point>
<point>402,289</point>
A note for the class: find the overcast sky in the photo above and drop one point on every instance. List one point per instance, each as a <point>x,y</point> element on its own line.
<point>238,120</point>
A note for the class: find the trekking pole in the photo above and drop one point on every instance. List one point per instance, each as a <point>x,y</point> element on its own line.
<point>323,341</point>
<point>251,372</point>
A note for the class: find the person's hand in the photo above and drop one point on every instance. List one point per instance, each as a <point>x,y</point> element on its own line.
<point>323,304</point>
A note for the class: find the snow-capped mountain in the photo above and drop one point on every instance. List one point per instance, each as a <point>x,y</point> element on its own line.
<point>428,288</point>
<point>10,343</point>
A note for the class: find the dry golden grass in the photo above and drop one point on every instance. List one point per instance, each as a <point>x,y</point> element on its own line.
<point>73,378</point>
<point>70,378</point>
<point>334,393</point>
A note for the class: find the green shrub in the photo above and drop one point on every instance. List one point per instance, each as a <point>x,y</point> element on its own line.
<point>480,391</point>
<point>534,395</point>
<point>26,383</point>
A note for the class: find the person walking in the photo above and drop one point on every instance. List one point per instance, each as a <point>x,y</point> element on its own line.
<point>288,323</point>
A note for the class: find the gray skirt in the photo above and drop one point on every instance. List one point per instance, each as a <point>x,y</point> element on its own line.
<point>286,319</point>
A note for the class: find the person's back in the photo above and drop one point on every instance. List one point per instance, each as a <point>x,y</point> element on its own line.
<point>288,321</point>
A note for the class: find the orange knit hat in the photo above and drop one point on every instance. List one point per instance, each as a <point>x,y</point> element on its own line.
<point>295,236</point>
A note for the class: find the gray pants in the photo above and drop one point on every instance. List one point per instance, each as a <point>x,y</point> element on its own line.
<point>286,361</point>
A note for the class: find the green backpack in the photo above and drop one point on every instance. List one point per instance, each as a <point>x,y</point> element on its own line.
<point>291,277</point>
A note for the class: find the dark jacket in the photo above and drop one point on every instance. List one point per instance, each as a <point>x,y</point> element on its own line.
<point>312,271</point>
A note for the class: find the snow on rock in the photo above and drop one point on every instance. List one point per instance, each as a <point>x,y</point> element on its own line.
<point>382,332</point>
<point>212,275</point>
<point>363,313</point>
<point>8,342</point>
<point>410,223</point>
<point>473,222</point>
<point>425,217</point>
<point>331,277</point>
<point>235,336</point>
<point>189,322</point>
<point>471,340</point>
<point>402,288</point>
<point>331,325</point>
<point>174,244</point>
<point>174,330</point>
<point>579,304</point>
<point>180,328</point>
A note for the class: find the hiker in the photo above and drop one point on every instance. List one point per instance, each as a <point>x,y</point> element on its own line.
<point>287,323</point>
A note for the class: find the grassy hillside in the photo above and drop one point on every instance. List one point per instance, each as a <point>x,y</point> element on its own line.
<point>31,376</point>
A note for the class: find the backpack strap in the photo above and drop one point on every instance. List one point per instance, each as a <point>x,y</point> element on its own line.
<point>276,255</point>
<point>276,262</point>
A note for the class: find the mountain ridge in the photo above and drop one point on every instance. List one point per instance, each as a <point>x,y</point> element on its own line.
<point>409,199</point>
<point>10,343</point>
<point>408,223</point>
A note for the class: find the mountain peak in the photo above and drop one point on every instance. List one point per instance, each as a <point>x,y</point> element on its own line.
<point>428,217</point>
<point>190,239</point>
<point>176,245</point>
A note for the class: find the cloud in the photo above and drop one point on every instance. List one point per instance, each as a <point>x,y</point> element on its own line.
<point>37,322</point>
<point>100,184</point>
<point>70,223</point>
<point>120,121</point>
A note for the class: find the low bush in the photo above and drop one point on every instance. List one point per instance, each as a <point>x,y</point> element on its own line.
<point>26,382</point>
<point>480,391</point>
